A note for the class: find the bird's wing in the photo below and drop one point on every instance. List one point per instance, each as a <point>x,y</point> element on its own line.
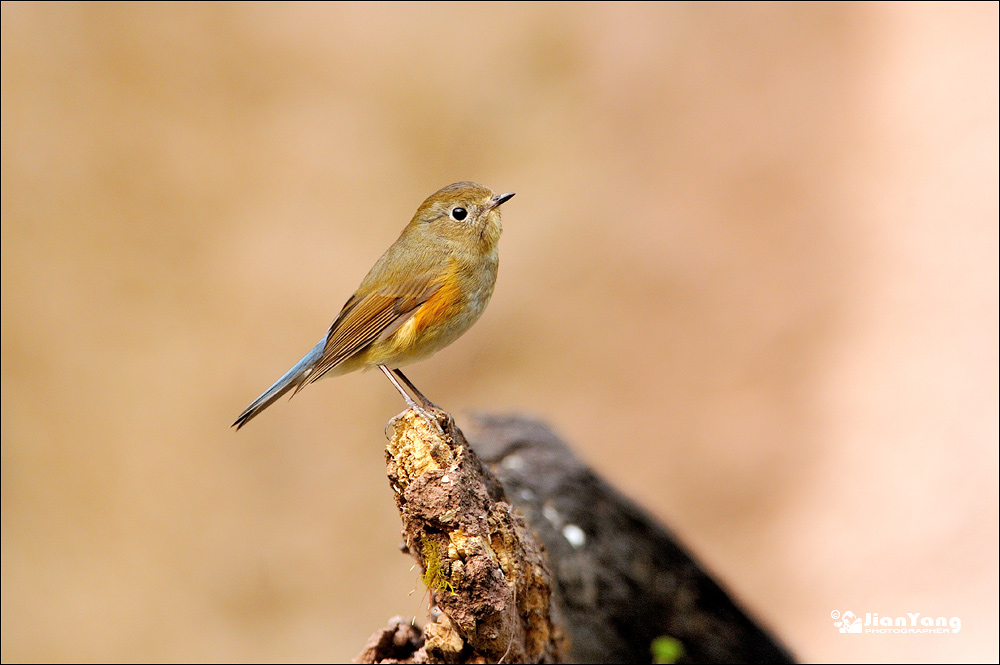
<point>365,319</point>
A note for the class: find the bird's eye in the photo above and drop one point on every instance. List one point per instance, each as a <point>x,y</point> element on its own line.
<point>459,213</point>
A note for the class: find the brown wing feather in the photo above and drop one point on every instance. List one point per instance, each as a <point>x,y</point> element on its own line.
<point>363,319</point>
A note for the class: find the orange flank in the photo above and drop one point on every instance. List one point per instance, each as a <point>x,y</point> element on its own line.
<point>423,333</point>
<point>440,307</point>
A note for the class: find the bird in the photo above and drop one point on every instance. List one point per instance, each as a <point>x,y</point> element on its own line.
<point>424,292</point>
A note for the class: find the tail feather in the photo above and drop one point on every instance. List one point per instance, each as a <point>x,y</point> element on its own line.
<point>292,378</point>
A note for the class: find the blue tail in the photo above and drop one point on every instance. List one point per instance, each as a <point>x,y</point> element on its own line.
<point>292,378</point>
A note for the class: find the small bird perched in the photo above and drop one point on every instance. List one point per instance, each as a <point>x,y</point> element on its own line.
<point>427,289</point>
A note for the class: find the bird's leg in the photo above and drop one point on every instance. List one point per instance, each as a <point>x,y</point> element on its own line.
<point>421,409</point>
<point>427,404</point>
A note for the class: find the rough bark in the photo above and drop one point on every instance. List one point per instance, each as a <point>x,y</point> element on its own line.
<point>490,585</point>
<point>621,588</point>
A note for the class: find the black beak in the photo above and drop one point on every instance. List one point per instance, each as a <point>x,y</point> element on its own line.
<point>500,199</point>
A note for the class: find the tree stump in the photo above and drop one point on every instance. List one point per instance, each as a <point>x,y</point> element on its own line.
<point>531,557</point>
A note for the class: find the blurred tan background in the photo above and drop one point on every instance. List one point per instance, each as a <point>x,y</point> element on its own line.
<point>751,273</point>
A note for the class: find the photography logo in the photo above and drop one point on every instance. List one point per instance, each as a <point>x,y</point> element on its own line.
<point>848,622</point>
<point>912,622</point>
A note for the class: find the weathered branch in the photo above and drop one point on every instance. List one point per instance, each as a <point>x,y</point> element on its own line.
<point>625,587</point>
<point>490,584</point>
<point>621,588</point>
